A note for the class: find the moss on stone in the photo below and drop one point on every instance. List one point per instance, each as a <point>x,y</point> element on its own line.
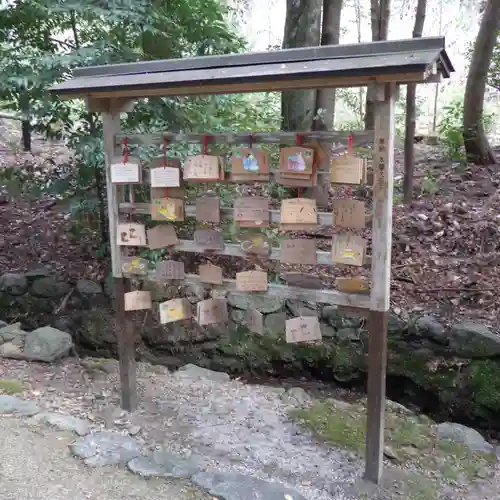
<point>11,387</point>
<point>484,382</point>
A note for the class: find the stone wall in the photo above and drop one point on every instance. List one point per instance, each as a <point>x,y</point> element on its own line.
<point>455,368</point>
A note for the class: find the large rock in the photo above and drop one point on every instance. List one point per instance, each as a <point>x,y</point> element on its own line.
<point>47,344</point>
<point>431,327</point>
<point>106,448</point>
<point>19,407</point>
<point>234,486</point>
<point>473,340</point>
<point>10,332</point>
<point>193,371</point>
<point>162,463</point>
<point>262,303</point>
<point>49,288</point>
<point>14,284</point>
<point>62,422</point>
<point>465,436</point>
<point>88,288</point>
<point>300,308</point>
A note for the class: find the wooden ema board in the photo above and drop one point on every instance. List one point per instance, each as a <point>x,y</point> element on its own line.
<point>211,312</point>
<point>348,249</point>
<point>254,321</point>
<point>296,162</point>
<point>301,280</point>
<point>208,209</point>
<point>130,234</point>
<point>210,274</point>
<point>202,168</point>
<point>128,172</point>
<point>298,251</point>
<point>162,236</point>
<point>249,165</point>
<point>175,310</point>
<point>348,169</point>
<point>255,244</point>
<point>137,301</point>
<point>251,211</point>
<point>251,281</point>
<point>208,239</point>
<point>353,285</point>
<point>302,329</point>
<point>171,193</point>
<point>167,209</point>
<point>349,214</point>
<point>169,270</point>
<point>298,214</point>
<point>165,177</point>
<point>135,265</point>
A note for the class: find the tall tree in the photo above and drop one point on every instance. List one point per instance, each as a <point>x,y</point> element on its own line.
<point>302,29</point>
<point>476,143</point>
<point>411,95</point>
<point>330,35</point>
<point>380,13</point>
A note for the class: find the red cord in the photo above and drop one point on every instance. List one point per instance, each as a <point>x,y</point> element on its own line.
<point>349,144</point>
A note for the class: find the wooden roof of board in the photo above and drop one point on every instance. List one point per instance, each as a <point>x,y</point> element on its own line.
<point>400,61</point>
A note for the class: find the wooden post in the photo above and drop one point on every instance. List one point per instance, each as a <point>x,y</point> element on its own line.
<point>383,168</point>
<point>123,327</point>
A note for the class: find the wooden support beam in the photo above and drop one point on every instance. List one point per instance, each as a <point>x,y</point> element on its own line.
<point>123,324</point>
<point>383,166</point>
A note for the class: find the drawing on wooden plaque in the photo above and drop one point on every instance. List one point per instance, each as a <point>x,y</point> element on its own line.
<point>298,213</point>
<point>251,281</point>
<point>303,329</point>
<point>298,251</point>
<point>128,172</point>
<point>169,270</point>
<point>353,285</point>
<point>301,280</point>
<point>296,161</point>
<point>131,234</point>
<point>174,310</point>
<point>202,168</point>
<point>348,249</point>
<point>167,209</point>
<point>349,214</point>
<point>251,211</point>
<point>211,312</point>
<point>162,236</point>
<point>249,164</point>
<point>208,209</point>
<point>137,300</point>
<point>254,321</point>
<point>208,239</point>
<point>164,177</point>
<point>135,265</point>
<point>210,274</point>
<point>348,169</point>
<point>255,243</point>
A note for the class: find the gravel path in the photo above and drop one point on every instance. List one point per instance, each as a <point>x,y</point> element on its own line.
<point>36,465</point>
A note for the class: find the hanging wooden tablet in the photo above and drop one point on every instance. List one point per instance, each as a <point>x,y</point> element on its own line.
<point>130,234</point>
<point>301,280</point>
<point>162,236</point>
<point>125,172</point>
<point>254,321</point>
<point>251,281</point>
<point>159,161</point>
<point>251,211</point>
<point>321,151</point>
<point>208,209</point>
<point>202,168</point>
<point>255,243</point>
<point>249,165</point>
<point>177,193</point>
<point>319,194</point>
<point>210,274</point>
<point>211,312</point>
<point>208,239</point>
<point>167,209</point>
<point>134,265</point>
<point>348,249</point>
<point>164,177</point>
<point>296,162</point>
<point>353,285</point>
<point>169,270</point>
<point>349,213</point>
<point>302,329</point>
<point>174,310</point>
<point>298,214</point>
<point>137,301</point>
<point>348,169</point>
<point>298,251</point>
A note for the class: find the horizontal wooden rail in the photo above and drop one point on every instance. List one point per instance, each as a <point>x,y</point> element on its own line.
<point>333,297</point>
<point>359,137</point>
<point>324,218</point>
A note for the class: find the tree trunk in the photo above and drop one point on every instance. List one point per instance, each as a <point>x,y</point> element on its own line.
<point>302,29</point>
<point>26,135</point>
<point>476,143</point>
<point>410,119</point>
<point>330,35</point>
<point>380,12</point>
